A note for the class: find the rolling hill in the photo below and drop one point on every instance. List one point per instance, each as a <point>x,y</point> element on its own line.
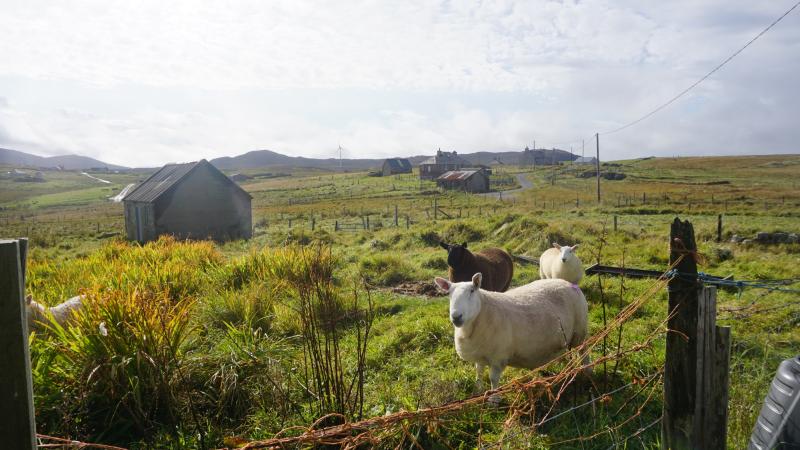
<point>264,158</point>
<point>69,162</point>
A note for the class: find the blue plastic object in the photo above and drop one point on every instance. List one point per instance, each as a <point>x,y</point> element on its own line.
<point>778,424</point>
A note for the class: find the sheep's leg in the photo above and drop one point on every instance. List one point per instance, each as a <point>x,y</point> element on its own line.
<point>479,377</point>
<point>495,371</point>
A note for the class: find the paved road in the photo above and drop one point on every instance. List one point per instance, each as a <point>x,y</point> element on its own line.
<point>523,182</point>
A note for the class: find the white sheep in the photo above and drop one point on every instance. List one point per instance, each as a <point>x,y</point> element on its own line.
<point>561,262</point>
<point>61,314</point>
<point>526,327</point>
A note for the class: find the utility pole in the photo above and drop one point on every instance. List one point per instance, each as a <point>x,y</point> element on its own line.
<point>597,137</point>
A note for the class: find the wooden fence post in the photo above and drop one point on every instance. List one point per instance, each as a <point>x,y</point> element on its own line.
<point>719,227</point>
<point>16,387</point>
<point>680,366</point>
<point>395,215</point>
<point>615,223</point>
<point>697,358</point>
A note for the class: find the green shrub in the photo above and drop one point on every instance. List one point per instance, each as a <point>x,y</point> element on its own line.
<point>461,232</point>
<point>119,367</point>
<point>386,270</point>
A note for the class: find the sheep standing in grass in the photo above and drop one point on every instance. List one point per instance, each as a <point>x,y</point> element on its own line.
<point>526,327</point>
<point>61,314</point>
<point>561,262</point>
<point>494,264</point>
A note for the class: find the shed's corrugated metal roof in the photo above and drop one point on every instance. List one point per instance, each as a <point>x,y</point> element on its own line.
<point>457,175</point>
<point>399,163</point>
<point>159,182</point>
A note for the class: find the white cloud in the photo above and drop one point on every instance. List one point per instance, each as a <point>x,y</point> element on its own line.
<point>148,82</point>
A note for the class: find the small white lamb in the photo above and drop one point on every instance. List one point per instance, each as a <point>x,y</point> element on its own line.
<point>61,314</point>
<point>526,327</point>
<point>561,262</point>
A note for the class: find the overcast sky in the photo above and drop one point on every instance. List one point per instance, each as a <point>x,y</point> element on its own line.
<point>149,82</point>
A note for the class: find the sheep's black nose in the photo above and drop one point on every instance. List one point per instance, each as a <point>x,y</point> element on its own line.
<point>563,259</point>
<point>457,320</point>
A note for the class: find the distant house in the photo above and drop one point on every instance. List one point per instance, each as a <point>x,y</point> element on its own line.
<point>193,200</point>
<point>239,177</point>
<point>586,160</point>
<point>468,180</point>
<point>394,166</point>
<point>544,157</point>
<point>441,163</point>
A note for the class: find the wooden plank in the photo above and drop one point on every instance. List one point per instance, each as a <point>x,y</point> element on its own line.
<point>18,430</point>
<point>717,416</point>
<point>680,373</point>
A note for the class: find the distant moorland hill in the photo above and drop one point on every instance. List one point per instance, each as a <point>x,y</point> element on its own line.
<point>68,162</point>
<point>264,158</point>
<point>268,158</point>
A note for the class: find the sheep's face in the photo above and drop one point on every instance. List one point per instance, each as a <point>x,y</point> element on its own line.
<point>455,253</point>
<point>465,300</point>
<point>567,252</point>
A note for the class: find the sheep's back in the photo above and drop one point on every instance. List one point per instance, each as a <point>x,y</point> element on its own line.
<point>499,265</point>
<point>541,316</point>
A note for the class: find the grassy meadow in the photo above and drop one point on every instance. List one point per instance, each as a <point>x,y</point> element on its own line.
<point>204,345</point>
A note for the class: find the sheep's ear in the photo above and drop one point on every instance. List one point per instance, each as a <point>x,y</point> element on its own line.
<point>28,299</point>
<point>574,247</point>
<point>555,244</point>
<point>444,245</point>
<point>442,284</point>
<point>464,245</point>
<point>476,280</point>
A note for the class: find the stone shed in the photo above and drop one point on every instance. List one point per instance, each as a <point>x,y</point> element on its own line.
<point>189,201</point>
<point>394,166</point>
<point>442,162</point>
<point>469,180</point>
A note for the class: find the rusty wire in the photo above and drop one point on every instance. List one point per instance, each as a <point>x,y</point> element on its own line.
<point>71,444</point>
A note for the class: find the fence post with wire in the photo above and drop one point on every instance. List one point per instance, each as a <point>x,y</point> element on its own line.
<point>18,430</point>
<point>697,354</point>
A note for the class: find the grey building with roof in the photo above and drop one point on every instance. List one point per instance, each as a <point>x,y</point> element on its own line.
<point>440,163</point>
<point>394,166</point>
<point>189,201</point>
<point>468,180</point>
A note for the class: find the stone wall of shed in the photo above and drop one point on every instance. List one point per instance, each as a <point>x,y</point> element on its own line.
<point>204,205</point>
<point>146,218</point>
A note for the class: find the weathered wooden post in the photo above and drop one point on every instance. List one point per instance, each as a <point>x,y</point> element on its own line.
<point>719,227</point>
<point>680,366</point>
<point>395,215</point>
<point>435,209</point>
<point>313,223</point>
<point>615,223</point>
<point>408,222</point>
<point>697,356</point>
<point>18,430</point>
<point>336,225</point>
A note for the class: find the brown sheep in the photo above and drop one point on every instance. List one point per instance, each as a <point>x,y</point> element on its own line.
<point>494,264</point>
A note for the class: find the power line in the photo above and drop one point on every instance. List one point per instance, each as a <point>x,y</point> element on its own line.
<point>682,93</point>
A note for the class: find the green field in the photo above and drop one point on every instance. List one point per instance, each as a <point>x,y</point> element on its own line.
<point>209,345</point>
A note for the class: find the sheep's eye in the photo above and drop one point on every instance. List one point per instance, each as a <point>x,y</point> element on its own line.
<point>472,289</point>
